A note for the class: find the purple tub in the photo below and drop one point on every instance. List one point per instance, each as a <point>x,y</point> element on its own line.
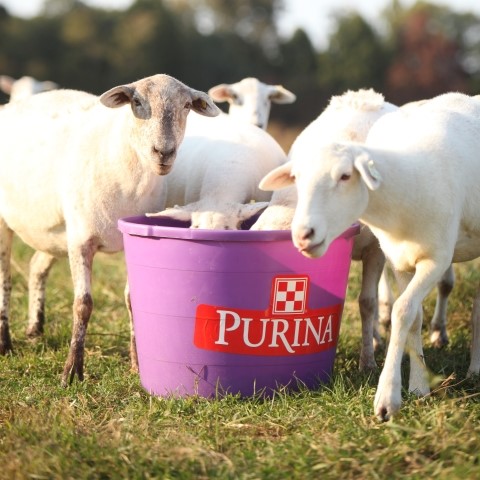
<point>241,311</point>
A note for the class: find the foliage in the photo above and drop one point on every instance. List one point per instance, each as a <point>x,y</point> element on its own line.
<point>109,427</point>
<point>409,53</point>
<point>356,57</point>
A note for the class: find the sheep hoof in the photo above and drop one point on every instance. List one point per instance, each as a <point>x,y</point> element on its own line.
<point>71,369</point>
<point>134,368</point>
<point>5,341</point>
<point>367,367</point>
<point>34,331</point>
<point>439,339</point>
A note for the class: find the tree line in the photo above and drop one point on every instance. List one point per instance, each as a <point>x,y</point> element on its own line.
<point>411,53</point>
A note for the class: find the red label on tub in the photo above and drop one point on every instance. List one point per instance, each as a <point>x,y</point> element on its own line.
<point>287,327</point>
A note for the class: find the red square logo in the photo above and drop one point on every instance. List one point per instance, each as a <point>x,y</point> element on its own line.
<point>289,295</point>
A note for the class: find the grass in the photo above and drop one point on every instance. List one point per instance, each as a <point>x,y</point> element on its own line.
<point>108,427</point>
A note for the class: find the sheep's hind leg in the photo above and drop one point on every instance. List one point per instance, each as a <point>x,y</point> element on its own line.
<point>6,238</point>
<point>133,347</point>
<point>438,326</point>
<point>386,298</point>
<point>81,261</point>
<point>373,261</point>
<point>474,368</point>
<point>40,265</point>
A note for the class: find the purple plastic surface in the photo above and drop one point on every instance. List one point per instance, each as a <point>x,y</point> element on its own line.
<point>173,269</point>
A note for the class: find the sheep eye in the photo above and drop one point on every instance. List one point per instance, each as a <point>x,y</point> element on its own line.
<point>137,102</point>
<point>345,177</point>
<point>188,106</point>
<point>236,99</point>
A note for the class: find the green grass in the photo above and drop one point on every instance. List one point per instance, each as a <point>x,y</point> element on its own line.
<point>108,427</point>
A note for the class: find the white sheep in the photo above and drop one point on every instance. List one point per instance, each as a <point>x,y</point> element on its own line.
<point>218,168</point>
<point>347,117</point>
<point>250,99</point>
<point>72,164</point>
<point>415,184</point>
<point>24,87</point>
<point>438,324</point>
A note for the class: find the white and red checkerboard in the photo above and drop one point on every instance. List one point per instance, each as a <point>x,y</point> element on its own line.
<point>289,295</point>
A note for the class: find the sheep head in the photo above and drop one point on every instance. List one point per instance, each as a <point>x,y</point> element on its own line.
<point>227,216</point>
<point>159,106</point>
<point>250,99</point>
<point>332,193</point>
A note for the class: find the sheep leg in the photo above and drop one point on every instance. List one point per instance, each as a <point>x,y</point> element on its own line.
<point>373,261</point>
<point>385,298</point>
<point>406,325</point>
<point>40,265</point>
<point>133,347</point>
<point>418,382</point>
<point>81,261</point>
<point>438,326</point>
<point>474,368</point>
<point>6,239</point>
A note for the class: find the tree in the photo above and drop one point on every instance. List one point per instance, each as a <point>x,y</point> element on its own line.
<point>298,72</point>
<point>427,58</point>
<point>252,20</point>
<point>356,57</point>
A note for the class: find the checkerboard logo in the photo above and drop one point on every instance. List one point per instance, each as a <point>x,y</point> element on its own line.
<point>290,295</point>
<point>288,326</point>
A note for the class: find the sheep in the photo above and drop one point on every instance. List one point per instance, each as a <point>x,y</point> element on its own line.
<point>438,324</point>
<point>72,164</point>
<point>218,168</point>
<point>431,152</point>
<point>24,86</point>
<point>347,117</point>
<point>250,99</point>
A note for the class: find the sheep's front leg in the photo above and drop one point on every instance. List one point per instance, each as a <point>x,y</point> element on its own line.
<point>40,265</point>
<point>6,238</point>
<point>373,261</point>
<point>81,260</point>
<point>438,326</point>
<point>406,325</point>
<point>133,346</point>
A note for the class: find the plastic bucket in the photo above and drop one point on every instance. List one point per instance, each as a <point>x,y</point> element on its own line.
<point>227,311</point>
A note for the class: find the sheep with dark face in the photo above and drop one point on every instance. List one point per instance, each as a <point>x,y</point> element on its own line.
<point>71,165</point>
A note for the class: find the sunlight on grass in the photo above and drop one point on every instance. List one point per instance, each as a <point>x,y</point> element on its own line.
<point>109,427</point>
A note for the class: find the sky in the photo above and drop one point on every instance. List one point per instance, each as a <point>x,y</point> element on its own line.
<point>314,16</point>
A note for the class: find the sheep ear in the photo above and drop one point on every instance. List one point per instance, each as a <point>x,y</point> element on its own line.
<point>250,209</point>
<point>221,93</point>
<point>280,177</point>
<point>177,213</point>
<point>117,96</point>
<point>49,85</point>
<point>366,167</point>
<point>6,83</point>
<point>203,104</point>
<point>281,95</point>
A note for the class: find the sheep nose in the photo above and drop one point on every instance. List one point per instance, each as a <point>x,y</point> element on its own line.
<point>164,153</point>
<point>305,233</point>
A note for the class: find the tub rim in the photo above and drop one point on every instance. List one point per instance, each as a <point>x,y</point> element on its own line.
<point>156,227</point>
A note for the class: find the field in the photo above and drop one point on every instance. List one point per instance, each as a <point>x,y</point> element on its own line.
<point>108,427</point>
